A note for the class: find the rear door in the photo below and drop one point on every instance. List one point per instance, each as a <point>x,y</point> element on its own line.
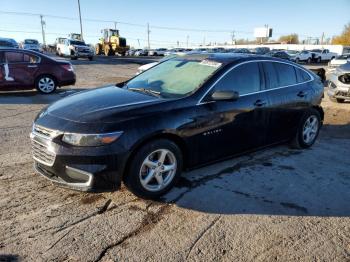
<point>22,67</point>
<point>231,127</point>
<point>287,94</point>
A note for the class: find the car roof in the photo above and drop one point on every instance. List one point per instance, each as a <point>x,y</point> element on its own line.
<point>228,58</point>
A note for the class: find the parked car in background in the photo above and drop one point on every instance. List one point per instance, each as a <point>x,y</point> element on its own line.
<point>75,49</point>
<point>141,52</point>
<point>303,56</point>
<point>243,51</point>
<point>159,51</point>
<point>339,84</point>
<point>174,51</point>
<point>24,69</point>
<point>261,50</point>
<point>149,65</point>
<point>59,43</point>
<point>338,61</point>
<point>280,54</point>
<point>131,52</point>
<point>8,43</point>
<point>31,44</point>
<point>323,55</point>
<point>183,113</point>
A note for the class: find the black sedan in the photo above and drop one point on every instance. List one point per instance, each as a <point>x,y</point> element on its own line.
<point>180,114</point>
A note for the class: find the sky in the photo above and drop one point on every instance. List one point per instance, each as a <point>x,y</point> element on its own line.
<point>195,22</point>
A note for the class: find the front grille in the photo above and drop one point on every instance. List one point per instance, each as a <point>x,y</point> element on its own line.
<point>43,131</point>
<point>42,154</point>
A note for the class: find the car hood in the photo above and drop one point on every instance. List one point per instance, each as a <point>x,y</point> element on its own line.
<point>103,105</point>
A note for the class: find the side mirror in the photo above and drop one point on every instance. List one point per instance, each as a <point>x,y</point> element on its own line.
<point>224,96</point>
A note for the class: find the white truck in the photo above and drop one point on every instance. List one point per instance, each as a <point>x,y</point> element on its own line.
<point>323,55</point>
<point>73,48</point>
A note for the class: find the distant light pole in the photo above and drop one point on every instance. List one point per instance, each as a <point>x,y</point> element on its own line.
<point>81,24</point>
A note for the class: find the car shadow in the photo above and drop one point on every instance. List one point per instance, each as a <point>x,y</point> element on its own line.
<point>110,60</point>
<point>275,181</point>
<point>34,97</point>
<point>9,258</point>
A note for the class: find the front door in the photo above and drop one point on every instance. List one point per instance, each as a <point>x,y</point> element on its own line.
<point>231,127</point>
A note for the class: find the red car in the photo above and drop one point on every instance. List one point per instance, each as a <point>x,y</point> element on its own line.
<point>24,69</point>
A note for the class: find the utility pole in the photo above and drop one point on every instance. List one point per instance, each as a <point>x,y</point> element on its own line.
<point>81,24</point>
<point>42,22</point>
<point>148,31</point>
<point>188,37</point>
<point>233,37</point>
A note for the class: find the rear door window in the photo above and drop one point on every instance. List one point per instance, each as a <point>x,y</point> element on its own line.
<point>302,76</point>
<point>14,57</point>
<point>285,74</point>
<point>244,79</point>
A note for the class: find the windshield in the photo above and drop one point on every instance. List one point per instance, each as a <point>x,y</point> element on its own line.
<point>174,78</point>
<point>31,42</point>
<point>77,43</point>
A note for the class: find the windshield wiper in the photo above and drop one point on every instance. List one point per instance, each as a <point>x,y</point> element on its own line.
<point>145,91</point>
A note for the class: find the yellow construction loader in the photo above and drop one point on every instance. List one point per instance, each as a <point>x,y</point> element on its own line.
<point>111,43</point>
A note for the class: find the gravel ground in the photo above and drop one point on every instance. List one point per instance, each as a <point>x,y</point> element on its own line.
<point>276,204</point>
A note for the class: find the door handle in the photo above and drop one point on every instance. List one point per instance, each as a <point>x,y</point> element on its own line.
<point>302,94</point>
<point>32,66</point>
<point>260,103</point>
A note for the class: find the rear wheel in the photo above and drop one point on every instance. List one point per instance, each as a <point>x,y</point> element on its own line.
<point>307,130</point>
<point>45,84</point>
<point>297,60</point>
<point>154,169</point>
<point>318,59</point>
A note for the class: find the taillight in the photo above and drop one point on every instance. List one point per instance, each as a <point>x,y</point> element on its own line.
<point>68,67</point>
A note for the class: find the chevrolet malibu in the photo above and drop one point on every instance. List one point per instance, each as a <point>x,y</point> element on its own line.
<point>182,113</point>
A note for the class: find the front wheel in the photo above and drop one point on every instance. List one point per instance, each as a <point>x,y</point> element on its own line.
<point>46,84</point>
<point>154,169</point>
<point>307,130</point>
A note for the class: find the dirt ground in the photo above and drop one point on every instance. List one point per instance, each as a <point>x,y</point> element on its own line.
<point>276,204</point>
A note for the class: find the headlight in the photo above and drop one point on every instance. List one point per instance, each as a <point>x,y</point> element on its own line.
<point>90,139</point>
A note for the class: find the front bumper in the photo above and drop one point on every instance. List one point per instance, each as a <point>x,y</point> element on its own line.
<point>83,54</point>
<point>93,169</point>
<point>340,91</point>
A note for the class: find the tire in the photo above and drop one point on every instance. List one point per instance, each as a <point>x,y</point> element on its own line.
<point>319,60</point>
<point>107,51</point>
<point>297,60</point>
<point>135,178</point>
<point>98,49</point>
<point>310,123</point>
<point>91,58</point>
<point>46,84</point>
<point>73,58</point>
<point>309,60</point>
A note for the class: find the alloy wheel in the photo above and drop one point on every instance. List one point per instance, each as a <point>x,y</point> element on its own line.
<point>46,85</point>
<point>310,129</point>
<point>158,170</point>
